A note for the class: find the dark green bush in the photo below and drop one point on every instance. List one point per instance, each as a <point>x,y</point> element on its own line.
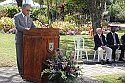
<point>35,12</point>
<point>10,10</point>
<point>120,17</point>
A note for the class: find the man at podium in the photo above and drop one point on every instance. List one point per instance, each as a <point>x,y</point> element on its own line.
<point>22,22</point>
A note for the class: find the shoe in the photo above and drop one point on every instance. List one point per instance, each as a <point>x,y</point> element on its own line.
<point>102,62</point>
<point>120,60</point>
<point>114,60</point>
<point>107,61</point>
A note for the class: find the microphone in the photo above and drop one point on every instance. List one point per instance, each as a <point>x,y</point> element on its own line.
<point>39,21</point>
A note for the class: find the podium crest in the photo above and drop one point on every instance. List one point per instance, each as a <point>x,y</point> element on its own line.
<point>51,46</point>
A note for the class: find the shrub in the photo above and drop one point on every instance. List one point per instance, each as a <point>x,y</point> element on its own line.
<point>2,12</point>
<point>7,23</point>
<point>67,27</point>
<point>35,12</point>
<point>74,19</point>
<point>1,25</point>
<point>60,68</point>
<point>10,10</point>
<point>43,19</point>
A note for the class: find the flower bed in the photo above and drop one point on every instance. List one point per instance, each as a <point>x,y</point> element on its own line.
<point>61,68</point>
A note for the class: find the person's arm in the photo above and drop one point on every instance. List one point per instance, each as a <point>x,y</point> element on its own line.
<point>123,39</point>
<point>117,39</point>
<point>96,42</point>
<point>17,24</point>
<point>108,39</point>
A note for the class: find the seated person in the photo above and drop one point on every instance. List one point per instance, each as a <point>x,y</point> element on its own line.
<point>122,47</point>
<point>100,45</point>
<point>113,41</point>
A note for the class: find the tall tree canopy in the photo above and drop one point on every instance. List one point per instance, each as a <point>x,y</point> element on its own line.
<point>96,8</point>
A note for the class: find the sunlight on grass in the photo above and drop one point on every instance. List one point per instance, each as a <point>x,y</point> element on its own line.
<point>7,46</point>
<point>7,50</point>
<point>110,78</point>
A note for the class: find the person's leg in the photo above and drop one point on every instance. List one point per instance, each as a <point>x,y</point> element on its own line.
<point>122,48</point>
<point>100,53</point>
<point>19,58</point>
<point>108,53</point>
<point>113,52</point>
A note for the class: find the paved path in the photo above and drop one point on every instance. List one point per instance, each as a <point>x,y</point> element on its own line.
<point>10,74</point>
<point>108,69</point>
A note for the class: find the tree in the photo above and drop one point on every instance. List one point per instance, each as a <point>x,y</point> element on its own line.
<point>96,8</point>
<point>2,0</point>
<point>19,3</point>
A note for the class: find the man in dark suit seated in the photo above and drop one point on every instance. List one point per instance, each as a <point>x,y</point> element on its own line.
<point>122,47</point>
<point>100,45</point>
<point>113,42</point>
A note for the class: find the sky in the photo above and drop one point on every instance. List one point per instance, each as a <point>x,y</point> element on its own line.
<point>33,4</point>
<point>14,1</point>
<point>27,1</point>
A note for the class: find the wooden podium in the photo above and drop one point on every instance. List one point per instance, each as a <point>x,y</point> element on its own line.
<point>36,43</point>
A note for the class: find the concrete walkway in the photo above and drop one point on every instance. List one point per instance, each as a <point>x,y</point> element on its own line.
<point>107,69</point>
<point>10,74</point>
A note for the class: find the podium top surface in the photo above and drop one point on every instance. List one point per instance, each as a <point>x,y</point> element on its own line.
<point>42,32</point>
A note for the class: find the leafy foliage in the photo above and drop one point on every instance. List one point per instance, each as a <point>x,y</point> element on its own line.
<point>6,23</point>
<point>60,67</point>
<point>10,10</point>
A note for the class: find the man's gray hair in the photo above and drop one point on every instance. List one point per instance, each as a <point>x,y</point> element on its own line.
<point>97,29</point>
<point>26,4</point>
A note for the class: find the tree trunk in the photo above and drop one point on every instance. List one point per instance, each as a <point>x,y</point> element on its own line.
<point>19,3</point>
<point>96,10</point>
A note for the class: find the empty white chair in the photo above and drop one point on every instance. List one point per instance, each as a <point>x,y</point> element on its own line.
<point>80,48</point>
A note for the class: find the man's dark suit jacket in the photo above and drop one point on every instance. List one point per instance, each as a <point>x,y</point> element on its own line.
<point>110,40</point>
<point>97,41</point>
<point>123,39</point>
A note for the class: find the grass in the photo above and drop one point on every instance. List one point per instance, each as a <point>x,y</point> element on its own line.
<point>7,50</point>
<point>8,55</point>
<point>7,46</point>
<point>110,78</point>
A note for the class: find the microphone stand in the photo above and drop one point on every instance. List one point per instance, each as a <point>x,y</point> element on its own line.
<point>40,21</point>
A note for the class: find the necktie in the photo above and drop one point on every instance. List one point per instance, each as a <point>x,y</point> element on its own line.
<point>25,19</point>
<point>114,39</point>
<point>101,40</point>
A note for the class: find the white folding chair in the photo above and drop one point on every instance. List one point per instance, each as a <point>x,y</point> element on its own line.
<point>80,48</point>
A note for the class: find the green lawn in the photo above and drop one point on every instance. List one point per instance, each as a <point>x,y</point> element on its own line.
<point>111,78</point>
<point>7,46</point>
<point>8,55</point>
<point>7,50</point>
